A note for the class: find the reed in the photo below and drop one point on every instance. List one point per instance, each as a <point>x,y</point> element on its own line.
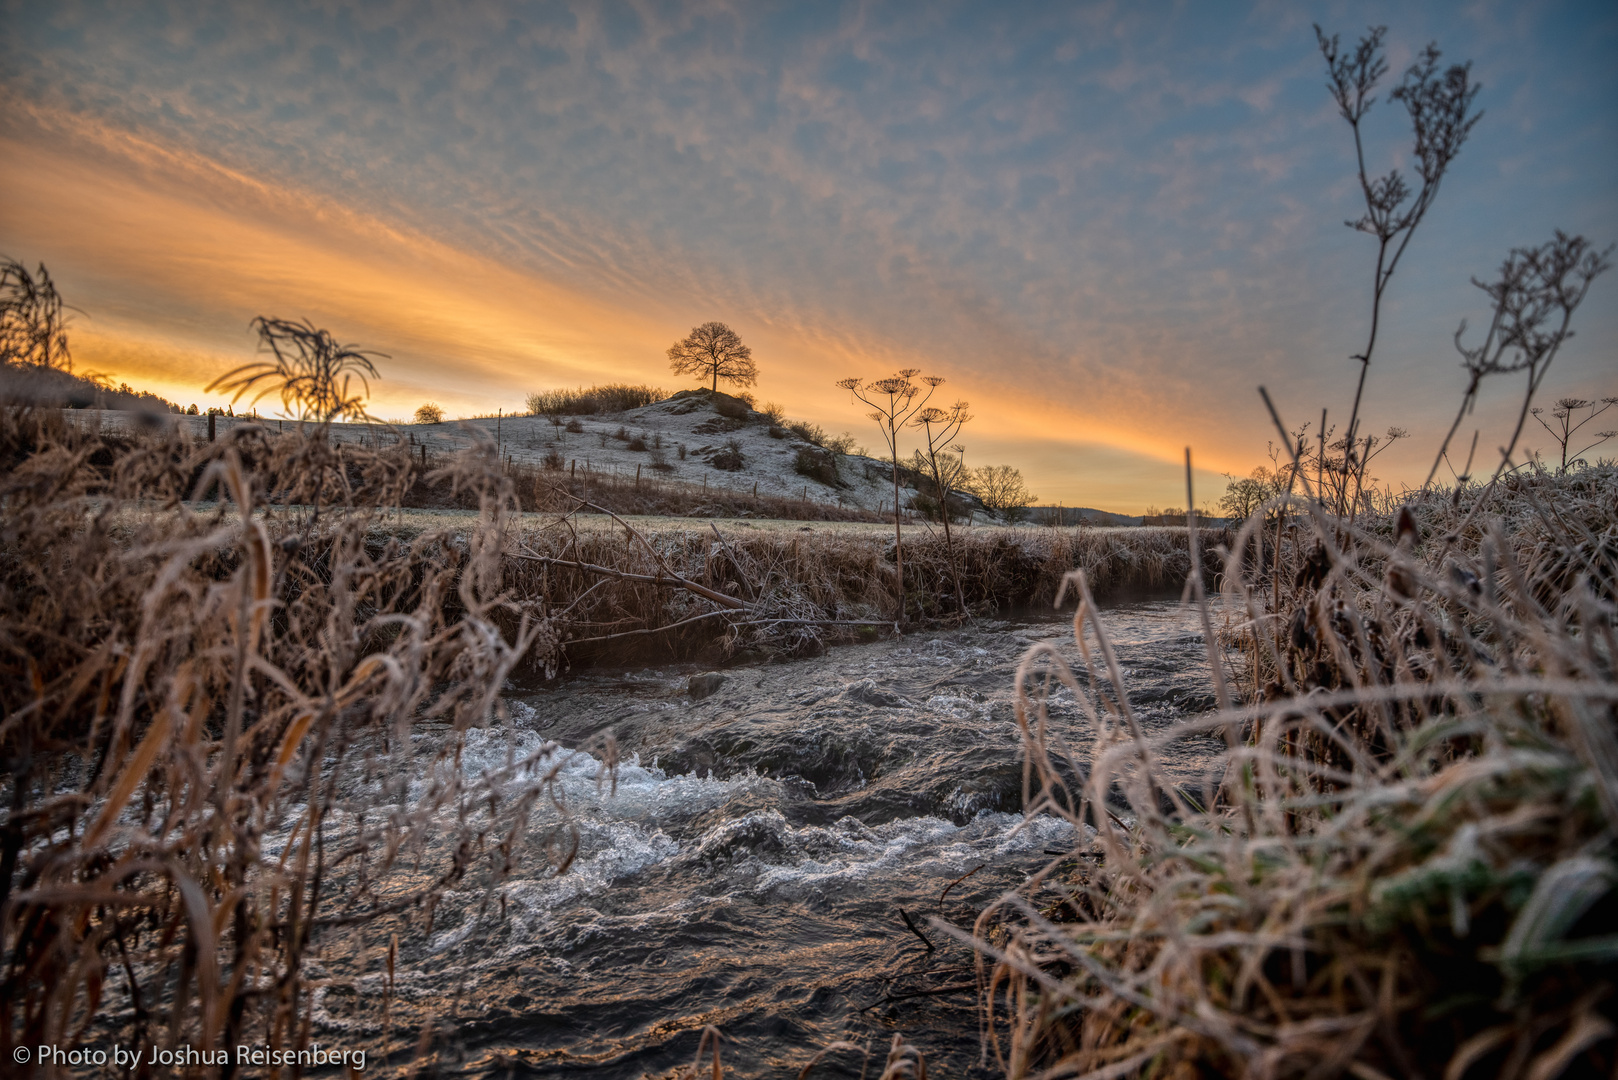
<point>1404,864</point>
<point>209,723</point>
<point>805,588</point>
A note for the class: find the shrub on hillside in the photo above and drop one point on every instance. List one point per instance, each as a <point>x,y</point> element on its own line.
<point>809,433</point>
<point>429,414</point>
<point>729,407</point>
<point>817,464</point>
<point>588,401</point>
<point>730,458</point>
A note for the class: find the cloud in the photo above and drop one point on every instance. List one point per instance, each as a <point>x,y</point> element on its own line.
<point>1101,220</point>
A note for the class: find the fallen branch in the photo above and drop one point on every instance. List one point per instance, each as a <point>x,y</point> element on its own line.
<point>905,915</point>
<point>668,580</point>
<point>646,631</point>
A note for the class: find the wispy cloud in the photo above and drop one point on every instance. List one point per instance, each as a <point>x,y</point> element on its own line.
<point>1109,221</point>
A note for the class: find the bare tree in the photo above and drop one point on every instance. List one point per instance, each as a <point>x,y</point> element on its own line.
<point>1441,116</point>
<point>312,372</point>
<point>892,402</point>
<point>429,413</point>
<point>1001,489</point>
<point>939,426</point>
<point>714,351</point>
<point>33,329</point>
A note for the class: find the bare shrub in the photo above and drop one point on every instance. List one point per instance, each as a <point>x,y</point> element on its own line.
<point>817,464</point>
<point>429,414</point>
<point>575,427</point>
<point>809,433</point>
<point>776,414</point>
<point>732,408</point>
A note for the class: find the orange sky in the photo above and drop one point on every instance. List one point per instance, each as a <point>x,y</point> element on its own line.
<point>1105,228</point>
<point>183,249</point>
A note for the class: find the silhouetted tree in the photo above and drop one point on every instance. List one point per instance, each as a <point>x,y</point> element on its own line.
<point>430,414</point>
<point>714,351</point>
<point>1001,489</point>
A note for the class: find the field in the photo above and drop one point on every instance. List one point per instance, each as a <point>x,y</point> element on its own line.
<point>210,720</point>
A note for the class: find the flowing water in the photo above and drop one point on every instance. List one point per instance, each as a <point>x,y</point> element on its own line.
<point>750,869</point>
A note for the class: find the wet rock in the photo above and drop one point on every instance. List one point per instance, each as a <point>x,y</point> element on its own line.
<point>705,685</point>
<point>866,692</point>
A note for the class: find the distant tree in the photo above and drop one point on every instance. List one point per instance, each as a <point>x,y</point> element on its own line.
<point>952,475</point>
<point>33,329</point>
<point>1243,497</point>
<point>713,351</point>
<point>430,414</point>
<point>892,402</point>
<point>1001,489</point>
<point>312,372</point>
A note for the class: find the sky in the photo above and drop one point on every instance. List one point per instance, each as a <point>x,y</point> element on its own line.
<point>1104,224</point>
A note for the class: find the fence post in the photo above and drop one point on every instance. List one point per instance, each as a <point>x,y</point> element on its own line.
<point>212,416</point>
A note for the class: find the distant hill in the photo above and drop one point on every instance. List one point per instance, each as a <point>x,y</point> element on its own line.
<point>1074,515</point>
<point>1089,515</point>
<point>52,387</point>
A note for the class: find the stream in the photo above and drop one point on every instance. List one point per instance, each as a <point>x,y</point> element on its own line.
<point>749,870</point>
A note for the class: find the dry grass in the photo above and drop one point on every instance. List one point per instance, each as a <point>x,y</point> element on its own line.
<point>206,724</point>
<point>1405,865</point>
<point>589,400</point>
<point>804,587</point>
